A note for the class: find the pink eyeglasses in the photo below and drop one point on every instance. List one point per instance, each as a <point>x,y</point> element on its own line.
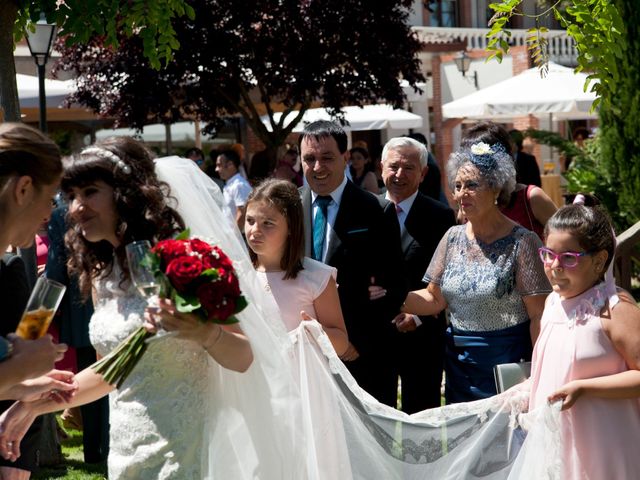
<point>565,259</point>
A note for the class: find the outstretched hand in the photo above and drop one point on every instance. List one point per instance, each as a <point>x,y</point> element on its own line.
<point>37,356</point>
<point>568,394</point>
<point>14,424</point>
<point>58,385</point>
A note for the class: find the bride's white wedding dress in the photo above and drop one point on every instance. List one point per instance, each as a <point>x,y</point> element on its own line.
<point>180,415</point>
<point>156,423</point>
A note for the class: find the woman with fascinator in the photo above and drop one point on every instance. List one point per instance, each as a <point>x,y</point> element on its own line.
<point>486,273</point>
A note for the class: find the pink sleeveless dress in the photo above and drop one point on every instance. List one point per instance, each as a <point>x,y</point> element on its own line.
<point>599,436</point>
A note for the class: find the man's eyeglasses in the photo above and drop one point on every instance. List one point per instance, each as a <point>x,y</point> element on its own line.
<point>565,259</point>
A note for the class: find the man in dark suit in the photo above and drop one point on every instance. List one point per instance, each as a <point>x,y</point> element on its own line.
<point>347,228</point>
<point>423,221</point>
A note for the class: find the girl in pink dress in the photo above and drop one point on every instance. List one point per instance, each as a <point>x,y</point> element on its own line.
<point>588,353</point>
<point>275,234</point>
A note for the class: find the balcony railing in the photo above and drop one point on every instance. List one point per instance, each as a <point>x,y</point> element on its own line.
<point>627,252</point>
<point>561,46</point>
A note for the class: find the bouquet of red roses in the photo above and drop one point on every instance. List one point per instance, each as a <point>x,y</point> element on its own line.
<point>199,278</point>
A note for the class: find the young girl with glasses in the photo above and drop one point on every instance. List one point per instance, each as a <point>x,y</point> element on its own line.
<point>588,353</point>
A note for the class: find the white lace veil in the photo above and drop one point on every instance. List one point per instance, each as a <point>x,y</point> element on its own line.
<point>298,414</point>
<point>252,428</point>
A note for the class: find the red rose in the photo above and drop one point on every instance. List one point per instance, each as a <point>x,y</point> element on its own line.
<point>230,281</point>
<point>198,246</point>
<point>217,259</point>
<point>215,299</point>
<point>183,270</point>
<point>170,250</point>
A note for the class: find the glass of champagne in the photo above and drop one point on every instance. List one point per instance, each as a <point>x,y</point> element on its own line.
<point>143,279</point>
<point>141,275</point>
<point>41,308</point>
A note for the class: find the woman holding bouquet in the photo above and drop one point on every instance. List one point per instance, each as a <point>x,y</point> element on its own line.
<point>160,414</point>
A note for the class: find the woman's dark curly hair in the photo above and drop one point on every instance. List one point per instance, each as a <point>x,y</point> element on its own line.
<point>140,201</point>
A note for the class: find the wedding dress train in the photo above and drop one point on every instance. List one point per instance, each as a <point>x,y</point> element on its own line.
<point>297,413</point>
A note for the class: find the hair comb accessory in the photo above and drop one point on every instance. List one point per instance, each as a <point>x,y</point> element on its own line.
<point>579,200</point>
<point>483,155</point>
<point>104,153</point>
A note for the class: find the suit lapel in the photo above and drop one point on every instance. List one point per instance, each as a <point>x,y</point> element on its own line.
<point>342,222</point>
<point>305,194</point>
<point>406,240</point>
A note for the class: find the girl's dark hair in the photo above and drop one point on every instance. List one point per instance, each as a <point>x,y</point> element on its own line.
<point>140,201</point>
<point>284,196</point>
<point>589,223</point>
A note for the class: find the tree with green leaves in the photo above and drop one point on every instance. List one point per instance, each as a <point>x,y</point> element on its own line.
<point>150,21</point>
<point>606,33</point>
<point>270,55</point>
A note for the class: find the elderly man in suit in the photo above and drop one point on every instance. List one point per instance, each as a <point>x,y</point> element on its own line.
<point>347,228</point>
<point>423,221</point>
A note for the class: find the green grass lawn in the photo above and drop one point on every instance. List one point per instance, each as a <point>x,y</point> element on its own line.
<point>73,467</point>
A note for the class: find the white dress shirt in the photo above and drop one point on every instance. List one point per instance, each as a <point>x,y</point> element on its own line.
<point>235,192</point>
<point>332,213</point>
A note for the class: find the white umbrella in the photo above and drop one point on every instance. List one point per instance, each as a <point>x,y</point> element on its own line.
<point>369,117</point>
<point>180,132</point>
<point>55,91</point>
<point>560,93</point>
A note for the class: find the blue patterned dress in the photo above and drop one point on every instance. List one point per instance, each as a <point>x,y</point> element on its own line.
<point>483,284</point>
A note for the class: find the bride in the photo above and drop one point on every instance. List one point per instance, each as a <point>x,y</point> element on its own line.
<point>233,404</point>
<point>186,392</point>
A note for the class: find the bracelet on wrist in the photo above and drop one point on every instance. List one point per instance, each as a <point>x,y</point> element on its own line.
<point>215,340</point>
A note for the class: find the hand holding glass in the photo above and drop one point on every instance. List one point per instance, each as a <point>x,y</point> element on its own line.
<point>41,308</point>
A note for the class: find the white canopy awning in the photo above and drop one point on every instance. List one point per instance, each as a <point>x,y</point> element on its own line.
<point>180,132</point>
<point>560,93</point>
<point>55,91</point>
<point>369,117</point>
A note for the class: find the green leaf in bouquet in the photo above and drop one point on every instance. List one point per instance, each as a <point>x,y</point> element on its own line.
<point>229,321</point>
<point>166,290</point>
<point>184,235</point>
<point>151,261</point>
<point>241,304</point>
<point>185,303</point>
<point>210,274</point>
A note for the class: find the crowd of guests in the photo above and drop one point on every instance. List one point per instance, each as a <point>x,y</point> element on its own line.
<point>405,286</point>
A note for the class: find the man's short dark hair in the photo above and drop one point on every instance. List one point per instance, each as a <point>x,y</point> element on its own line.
<point>193,152</point>
<point>230,156</point>
<point>323,129</point>
<point>420,138</point>
<point>518,138</point>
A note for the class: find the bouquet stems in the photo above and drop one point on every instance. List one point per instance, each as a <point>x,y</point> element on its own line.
<point>117,365</point>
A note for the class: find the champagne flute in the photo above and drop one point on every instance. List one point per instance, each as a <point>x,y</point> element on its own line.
<point>141,274</point>
<point>41,307</point>
<point>144,280</point>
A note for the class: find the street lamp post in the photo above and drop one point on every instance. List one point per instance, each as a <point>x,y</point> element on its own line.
<point>463,62</point>
<point>40,41</point>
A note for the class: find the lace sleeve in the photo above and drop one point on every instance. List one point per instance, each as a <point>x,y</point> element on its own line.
<point>530,276</point>
<point>439,260</point>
